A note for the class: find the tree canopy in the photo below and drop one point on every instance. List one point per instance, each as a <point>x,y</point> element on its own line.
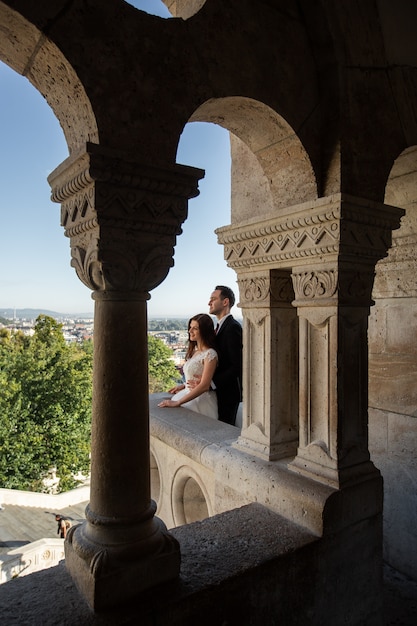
<point>162,371</point>
<point>46,400</point>
<point>45,407</point>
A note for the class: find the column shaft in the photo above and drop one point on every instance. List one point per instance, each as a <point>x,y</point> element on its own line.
<point>120,431</point>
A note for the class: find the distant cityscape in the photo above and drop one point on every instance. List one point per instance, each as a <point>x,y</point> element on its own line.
<point>80,327</point>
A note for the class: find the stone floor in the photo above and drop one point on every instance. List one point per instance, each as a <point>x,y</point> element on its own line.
<point>400,599</point>
<point>20,525</point>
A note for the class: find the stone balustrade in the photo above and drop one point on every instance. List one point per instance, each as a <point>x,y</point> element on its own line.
<point>31,558</point>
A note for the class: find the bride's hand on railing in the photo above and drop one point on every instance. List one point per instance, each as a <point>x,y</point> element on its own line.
<point>173,404</point>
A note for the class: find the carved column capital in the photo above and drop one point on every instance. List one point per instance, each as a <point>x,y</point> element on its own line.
<point>315,285</point>
<point>122,217</point>
<point>267,289</point>
<point>342,285</point>
<point>326,286</point>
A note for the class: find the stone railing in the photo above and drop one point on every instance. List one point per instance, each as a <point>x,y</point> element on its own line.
<point>198,470</point>
<point>42,553</point>
<point>31,558</point>
<point>53,501</point>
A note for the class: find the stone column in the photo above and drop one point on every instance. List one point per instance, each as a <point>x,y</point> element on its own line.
<point>331,246</point>
<point>122,219</point>
<point>333,299</point>
<point>333,307</point>
<point>270,385</point>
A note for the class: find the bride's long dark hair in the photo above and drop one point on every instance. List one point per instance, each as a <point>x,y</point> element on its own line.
<point>207,334</point>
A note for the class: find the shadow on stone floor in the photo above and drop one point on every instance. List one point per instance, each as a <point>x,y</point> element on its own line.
<point>400,598</point>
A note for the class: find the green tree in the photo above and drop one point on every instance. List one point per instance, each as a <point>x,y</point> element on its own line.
<point>162,371</point>
<point>45,403</point>
<point>45,407</point>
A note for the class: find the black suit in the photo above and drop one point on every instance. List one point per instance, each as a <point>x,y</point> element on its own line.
<point>228,375</point>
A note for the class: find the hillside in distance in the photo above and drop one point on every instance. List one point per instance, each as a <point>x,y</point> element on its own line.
<point>32,314</point>
<point>154,323</point>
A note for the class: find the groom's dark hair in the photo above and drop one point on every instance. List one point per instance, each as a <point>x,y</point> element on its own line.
<point>226,292</point>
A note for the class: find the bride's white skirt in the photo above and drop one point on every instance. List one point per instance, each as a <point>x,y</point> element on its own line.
<point>206,404</point>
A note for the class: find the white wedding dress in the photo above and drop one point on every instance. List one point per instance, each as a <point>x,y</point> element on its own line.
<point>206,403</point>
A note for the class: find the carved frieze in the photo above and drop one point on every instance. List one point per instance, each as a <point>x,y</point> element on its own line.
<point>340,225</point>
<point>279,241</point>
<point>122,218</point>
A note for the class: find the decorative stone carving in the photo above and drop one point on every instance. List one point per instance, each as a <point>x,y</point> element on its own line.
<point>339,226</point>
<point>315,285</point>
<point>272,290</point>
<point>281,287</point>
<point>122,218</point>
<point>254,290</point>
<point>344,285</point>
<point>330,247</point>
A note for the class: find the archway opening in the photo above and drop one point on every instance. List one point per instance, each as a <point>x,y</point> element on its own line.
<point>152,7</point>
<point>199,263</point>
<point>270,172</point>
<point>393,369</point>
<point>169,8</point>
<point>35,257</point>
<point>271,169</point>
<point>194,502</point>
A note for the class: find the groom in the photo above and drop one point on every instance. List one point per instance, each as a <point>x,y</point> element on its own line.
<point>228,376</point>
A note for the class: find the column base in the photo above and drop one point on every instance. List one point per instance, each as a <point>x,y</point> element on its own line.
<point>268,452</point>
<point>110,576</point>
<point>329,471</point>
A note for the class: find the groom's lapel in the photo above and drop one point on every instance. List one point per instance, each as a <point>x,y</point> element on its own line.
<point>223,326</point>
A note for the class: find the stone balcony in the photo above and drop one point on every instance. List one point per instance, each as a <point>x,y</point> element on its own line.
<point>262,551</point>
<point>198,470</point>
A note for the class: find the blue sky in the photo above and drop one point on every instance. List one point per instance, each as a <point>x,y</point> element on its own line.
<point>35,269</point>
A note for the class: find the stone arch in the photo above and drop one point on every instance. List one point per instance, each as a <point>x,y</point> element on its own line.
<point>271,172</point>
<point>393,364</point>
<point>401,191</point>
<point>265,151</point>
<point>30,53</point>
<point>184,8</point>
<point>395,275</point>
<point>189,497</point>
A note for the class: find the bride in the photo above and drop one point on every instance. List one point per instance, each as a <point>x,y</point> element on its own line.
<point>199,367</point>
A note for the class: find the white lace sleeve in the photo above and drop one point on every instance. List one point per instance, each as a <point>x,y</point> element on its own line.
<point>194,367</point>
<point>211,354</point>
